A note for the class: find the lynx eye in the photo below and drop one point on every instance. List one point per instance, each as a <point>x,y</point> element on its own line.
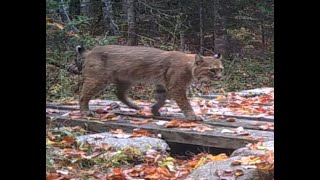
<point>213,70</point>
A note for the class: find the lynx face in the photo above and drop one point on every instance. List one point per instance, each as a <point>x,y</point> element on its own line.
<point>208,68</point>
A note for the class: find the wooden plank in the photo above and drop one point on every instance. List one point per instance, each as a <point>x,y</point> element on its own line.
<point>212,138</point>
<point>100,104</point>
<point>247,124</point>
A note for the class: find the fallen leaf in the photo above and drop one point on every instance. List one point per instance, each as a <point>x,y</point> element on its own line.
<point>153,176</point>
<point>144,112</point>
<point>164,171</point>
<point>109,116</point>
<point>117,171</point>
<point>201,128</point>
<point>193,163</point>
<point>188,124</point>
<point>220,98</point>
<point>238,172</point>
<point>75,117</point>
<point>216,116</point>
<point>136,121</point>
<point>204,110</point>
<point>70,103</point>
<point>179,123</point>
<point>231,119</point>
<point>67,140</point>
<point>173,123</point>
<point>141,132</point>
<point>217,157</point>
<point>53,176</point>
<point>100,111</point>
<point>149,170</point>
<point>117,131</point>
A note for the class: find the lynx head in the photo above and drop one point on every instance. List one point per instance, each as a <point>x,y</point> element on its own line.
<point>208,68</point>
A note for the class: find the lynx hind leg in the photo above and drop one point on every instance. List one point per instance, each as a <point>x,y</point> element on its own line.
<point>161,97</point>
<point>90,87</point>
<point>122,90</point>
<point>180,96</point>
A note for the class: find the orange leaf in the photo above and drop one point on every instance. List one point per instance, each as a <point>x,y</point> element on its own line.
<point>231,119</point>
<point>149,170</point>
<point>117,171</point>
<point>220,98</point>
<point>75,117</point>
<point>238,172</point>
<point>68,140</point>
<point>164,171</point>
<point>70,103</point>
<point>142,132</point>
<point>218,157</point>
<point>53,176</point>
<point>108,116</point>
<point>173,123</point>
<point>216,116</point>
<point>203,110</point>
<point>188,124</point>
<point>144,112</point>
<point>153,176</point>
<point>100,111</point>
<point>117,131</point>
<point>193,163</point>
<point>136,121</point>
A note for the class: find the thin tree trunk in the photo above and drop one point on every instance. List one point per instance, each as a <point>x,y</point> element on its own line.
<point>93,9</point>
<point>132,38</point>
<point>215,17</point>
<point>74,8</point>
<point>201,27</point>
<point>108,18</point>
<point>181,30</point>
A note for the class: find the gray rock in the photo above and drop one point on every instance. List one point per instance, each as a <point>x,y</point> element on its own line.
<point>209,171</point>
<point>119,141</point>
<point>247,152</point>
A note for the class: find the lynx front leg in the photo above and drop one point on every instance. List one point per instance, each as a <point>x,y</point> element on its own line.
<point>161,97</point>
<point>180,96</point>
<point>90,87</point>
<point>122,89</point>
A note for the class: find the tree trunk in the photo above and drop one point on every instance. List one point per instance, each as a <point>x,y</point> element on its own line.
<point>93,9</point>
<point>201,27</point>
<point>214,24</point>
<point>132,38</point>
<point>221,40</point>
<point>125,7</point>
<point>74,8</point>
<point>109,22</point>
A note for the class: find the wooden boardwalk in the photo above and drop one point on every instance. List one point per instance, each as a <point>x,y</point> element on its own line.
<point>220,135</point>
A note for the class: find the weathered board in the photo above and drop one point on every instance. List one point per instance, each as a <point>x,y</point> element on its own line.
<point>211,138</point>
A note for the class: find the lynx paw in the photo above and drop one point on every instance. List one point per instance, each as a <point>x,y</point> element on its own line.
<point>155,112</point>
<point>195,118</point>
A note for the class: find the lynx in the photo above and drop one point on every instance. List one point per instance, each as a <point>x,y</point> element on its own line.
<point>171,72</point>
